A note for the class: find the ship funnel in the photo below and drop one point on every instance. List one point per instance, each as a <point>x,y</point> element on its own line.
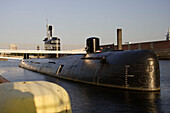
<point>92,45</point>
<point>50,29</point>
<point>119,39</point>
<point>168,34</point>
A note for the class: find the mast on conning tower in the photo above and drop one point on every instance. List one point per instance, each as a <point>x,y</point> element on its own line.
<point>49,30</point>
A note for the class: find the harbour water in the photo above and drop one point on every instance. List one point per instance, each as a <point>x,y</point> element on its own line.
<point>92,99</point>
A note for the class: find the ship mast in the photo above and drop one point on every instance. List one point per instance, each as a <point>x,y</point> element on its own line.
<point>47,28</point>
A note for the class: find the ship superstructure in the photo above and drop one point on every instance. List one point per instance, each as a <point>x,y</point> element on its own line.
<point>51,43</point>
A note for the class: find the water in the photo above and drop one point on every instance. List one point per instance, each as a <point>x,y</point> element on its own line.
<point>92,99</point>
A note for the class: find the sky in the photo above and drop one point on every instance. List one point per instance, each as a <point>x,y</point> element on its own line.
<point>24,21</point>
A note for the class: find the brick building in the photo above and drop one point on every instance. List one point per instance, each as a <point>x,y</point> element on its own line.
<point>161,48</point>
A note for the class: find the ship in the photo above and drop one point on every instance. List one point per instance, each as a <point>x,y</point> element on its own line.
<point>130,70</point>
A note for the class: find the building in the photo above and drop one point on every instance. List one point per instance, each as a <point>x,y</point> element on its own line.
<point>13,47</point>
<point>160,48</point>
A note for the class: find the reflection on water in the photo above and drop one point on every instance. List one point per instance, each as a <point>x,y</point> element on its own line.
<point>11,71</point>
<point>90,99</point>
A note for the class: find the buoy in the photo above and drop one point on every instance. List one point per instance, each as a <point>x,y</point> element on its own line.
<point>33,96</point>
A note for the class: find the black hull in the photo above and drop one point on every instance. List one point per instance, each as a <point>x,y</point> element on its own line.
<point>134,70</point>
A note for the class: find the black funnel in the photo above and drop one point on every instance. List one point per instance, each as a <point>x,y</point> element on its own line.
<point>50,29</point>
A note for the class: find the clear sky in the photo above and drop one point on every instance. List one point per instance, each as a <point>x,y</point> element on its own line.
<point>24,21</point>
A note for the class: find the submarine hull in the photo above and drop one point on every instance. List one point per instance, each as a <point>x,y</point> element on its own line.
<point>132,70</point>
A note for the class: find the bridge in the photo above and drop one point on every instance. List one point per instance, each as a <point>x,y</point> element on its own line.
<point>7,49</point>
<point>43,51</point>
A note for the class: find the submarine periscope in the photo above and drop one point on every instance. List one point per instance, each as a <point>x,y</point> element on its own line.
<point>130,70</point>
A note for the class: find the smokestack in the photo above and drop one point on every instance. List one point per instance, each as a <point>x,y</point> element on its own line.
<point>119,39</point>
<point>50,29</point>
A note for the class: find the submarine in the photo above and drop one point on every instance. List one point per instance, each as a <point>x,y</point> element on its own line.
<point>130,70</point>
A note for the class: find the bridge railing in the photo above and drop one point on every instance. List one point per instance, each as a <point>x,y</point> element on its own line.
<point>18,46</point>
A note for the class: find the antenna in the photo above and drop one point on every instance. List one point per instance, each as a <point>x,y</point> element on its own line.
<point>47,29</point>
<point>47,26</point>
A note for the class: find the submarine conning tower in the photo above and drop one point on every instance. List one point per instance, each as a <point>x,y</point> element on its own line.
<point>92,45</point>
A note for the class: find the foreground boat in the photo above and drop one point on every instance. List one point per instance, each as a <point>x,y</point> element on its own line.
<point>33,97</point>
